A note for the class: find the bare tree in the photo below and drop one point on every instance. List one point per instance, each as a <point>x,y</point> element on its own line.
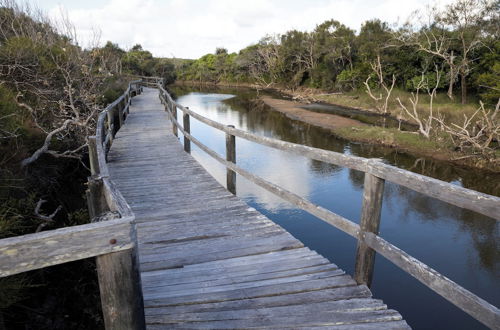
<point>431,37</point>
<point>460,26</point>
<point>425,125</point>
<point>478,131</point>
<point>46,219</point>
<point>382,100</point>
<point>54,78</point>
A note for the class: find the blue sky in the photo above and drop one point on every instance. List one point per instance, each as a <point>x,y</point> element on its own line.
<point>192,28</point>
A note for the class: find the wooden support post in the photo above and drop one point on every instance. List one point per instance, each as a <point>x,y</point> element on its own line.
<point>120,289</point>
<point>111,125</point>
<point>370,222</point>
<point>120,106</point>
<point>187,129</point>
<point>174,126</point>
<point>93,160</point>
<point>96,200</point>
<point>231,157</point>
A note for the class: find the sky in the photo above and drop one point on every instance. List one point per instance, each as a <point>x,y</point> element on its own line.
<point>193,28</point>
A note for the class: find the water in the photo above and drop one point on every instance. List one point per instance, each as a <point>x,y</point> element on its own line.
<point>460,244</point>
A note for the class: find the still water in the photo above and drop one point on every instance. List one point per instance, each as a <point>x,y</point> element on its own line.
<point>460,244</point>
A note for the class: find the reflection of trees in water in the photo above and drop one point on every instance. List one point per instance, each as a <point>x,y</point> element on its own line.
<point>323,169</point>
<point>357,178</point>
<point>484,232</point>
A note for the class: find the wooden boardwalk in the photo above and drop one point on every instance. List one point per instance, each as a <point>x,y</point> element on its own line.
<point>208,260</point>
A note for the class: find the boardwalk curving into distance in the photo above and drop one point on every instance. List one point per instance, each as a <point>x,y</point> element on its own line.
<point>208,260</point>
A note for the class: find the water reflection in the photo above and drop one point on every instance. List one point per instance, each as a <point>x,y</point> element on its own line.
<point>458,243</point>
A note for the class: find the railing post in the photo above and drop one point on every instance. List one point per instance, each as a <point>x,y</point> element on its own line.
<point>187,129</point>
<point>93,160</point>
<point>174,113</point>
<point>121,106</point>
<point>231,157</point>
<point>111,125</point>
<point>96,202</point>
<point>370,222</point>
<point>120,290</point>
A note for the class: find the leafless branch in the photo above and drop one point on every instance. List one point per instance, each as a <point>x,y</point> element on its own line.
<point>47,219</point>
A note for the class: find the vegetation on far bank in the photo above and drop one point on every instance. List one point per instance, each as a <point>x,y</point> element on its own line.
<point>439,70</point>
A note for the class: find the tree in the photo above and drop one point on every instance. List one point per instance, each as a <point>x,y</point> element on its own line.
<point>334,47</point>
<point>382,100</point>
<point>467,19</point>
<point>452,35</point>
<point>425,125</point>
<point>109,58</point>
<point>53,81</point>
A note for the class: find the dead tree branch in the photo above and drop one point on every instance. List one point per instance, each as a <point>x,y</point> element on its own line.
<point>47,219</point>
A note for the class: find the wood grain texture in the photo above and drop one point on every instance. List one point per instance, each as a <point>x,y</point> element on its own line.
<point>207,259</point>
<point>33,251</point>
<point>120,290</point>
<point>373,193</point>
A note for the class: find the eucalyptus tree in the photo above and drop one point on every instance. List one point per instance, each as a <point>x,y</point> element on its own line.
<point>453,35</point>
<point>468,20</point>
<point>334,48</point>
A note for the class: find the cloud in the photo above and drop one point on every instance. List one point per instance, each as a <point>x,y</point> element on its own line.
<point>192,28</point>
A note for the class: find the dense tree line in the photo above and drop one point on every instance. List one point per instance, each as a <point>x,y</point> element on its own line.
<point>461,41</point>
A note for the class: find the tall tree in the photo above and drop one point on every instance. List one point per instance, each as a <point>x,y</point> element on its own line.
<point>467,20</point>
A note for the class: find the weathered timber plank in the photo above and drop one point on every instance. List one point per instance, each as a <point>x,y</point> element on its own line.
<point>180,275</point>
<point>317,319</point>
<point>259,291</point>
<point>203,287</point>
<point>34,251</point>
<point>390,325</point>
<point>352,305</point>
<point>284,300</point>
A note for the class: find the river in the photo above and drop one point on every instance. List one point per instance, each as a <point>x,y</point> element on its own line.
<point>460,244</point>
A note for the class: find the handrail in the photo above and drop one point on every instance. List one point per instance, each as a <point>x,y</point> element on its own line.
<point>23,253</point>
<point>366,232</point>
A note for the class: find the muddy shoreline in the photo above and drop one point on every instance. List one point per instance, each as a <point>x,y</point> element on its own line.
<point>293,110</point>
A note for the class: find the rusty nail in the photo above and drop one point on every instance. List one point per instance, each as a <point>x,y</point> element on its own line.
<point>112,241</point>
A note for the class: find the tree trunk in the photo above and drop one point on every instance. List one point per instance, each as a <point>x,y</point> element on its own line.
<point>463,86</point>
<point>450,87</point>
<point>452,76</point>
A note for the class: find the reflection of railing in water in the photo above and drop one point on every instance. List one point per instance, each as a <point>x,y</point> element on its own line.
<point>367,232</point>
<point>113,242</point>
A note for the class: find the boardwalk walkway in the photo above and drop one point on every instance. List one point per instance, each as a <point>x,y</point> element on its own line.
<point>208,260</point>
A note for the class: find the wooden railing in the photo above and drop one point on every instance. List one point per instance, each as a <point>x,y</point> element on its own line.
<point>111,237</point>
<point>367,231</point>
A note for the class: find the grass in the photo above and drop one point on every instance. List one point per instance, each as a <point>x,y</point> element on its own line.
<point>391,137</point>
<point>452,110</point>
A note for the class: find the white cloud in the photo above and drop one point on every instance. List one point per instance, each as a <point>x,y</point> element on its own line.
<point>192,28</point>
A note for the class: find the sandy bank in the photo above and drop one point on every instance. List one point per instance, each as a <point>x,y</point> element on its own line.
<point>292,110</point>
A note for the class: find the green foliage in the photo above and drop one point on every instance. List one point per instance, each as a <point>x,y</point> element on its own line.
<point>424,82</point>
<point>350,79</point>
<point>488,78</point>
<point>115,86</point>
<point>489,83</point>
